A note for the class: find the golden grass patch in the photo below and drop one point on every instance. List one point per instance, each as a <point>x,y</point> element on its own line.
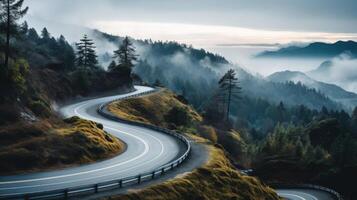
<point>216,180</point>
<point>41,147</point>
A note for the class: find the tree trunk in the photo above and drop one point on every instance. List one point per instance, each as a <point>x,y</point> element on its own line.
<point>7,49</point>
<point>229,98</point>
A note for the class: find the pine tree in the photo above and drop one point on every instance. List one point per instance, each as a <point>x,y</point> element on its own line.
<point>32,35</point>
<point>86,55</point>
<point>112,66</point>
<point>45,34</point>
<point>125,55</point>
<point>66,53</point>
<point>10,12</point>
<point>24,28</point>
<point>354,120</point>
<point>229,90</point>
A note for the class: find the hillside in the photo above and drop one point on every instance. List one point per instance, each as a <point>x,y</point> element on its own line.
<point>43,74</point>
<point>168,110</point>
<point>42,146</point>
<point>194,73</point>
<point>157,109</point>
<point>218,179</point>
<point>314,50</point>
<point>340,71</point>
<point>334,92</point>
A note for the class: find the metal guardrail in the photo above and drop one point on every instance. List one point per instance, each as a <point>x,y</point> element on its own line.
<point>337,195</point>
<point>117,183</point>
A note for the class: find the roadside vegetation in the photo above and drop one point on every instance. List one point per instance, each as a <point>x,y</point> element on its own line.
<point>315,148</point>
<point>217,179</point>
<point>168,110</point>
<point>37,72</point>
<point>40,146</point>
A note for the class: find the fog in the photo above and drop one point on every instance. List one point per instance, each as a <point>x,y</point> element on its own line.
<point>244,57</point>
<point>342,71</point>
<point>342,74</point>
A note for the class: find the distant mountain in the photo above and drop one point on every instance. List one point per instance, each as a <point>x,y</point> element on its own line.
<point>325,67</point>
<point>314,50</point>
<point>334,92</point>
<point>341,71</point>
<point>195,73</point>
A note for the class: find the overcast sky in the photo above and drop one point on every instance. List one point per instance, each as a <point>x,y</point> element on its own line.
<point>208,21</point>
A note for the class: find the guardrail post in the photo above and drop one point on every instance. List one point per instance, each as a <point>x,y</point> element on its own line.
<point>153,175</point>
<point>120,183</point>
<point>139,179</point>
<point>163,171</point>
<point>172,166</point>
<point>96,188</point>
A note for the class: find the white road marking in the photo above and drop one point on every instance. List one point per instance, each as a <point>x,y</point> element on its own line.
<point>313,197</point>
<point>84,179</point>
<point>77,107</point>
<point>291,195</point>
<point>90,171</point>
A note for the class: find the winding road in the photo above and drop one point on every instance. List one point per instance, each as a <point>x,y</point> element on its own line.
<point>304,194</point>
<point>147,150</point>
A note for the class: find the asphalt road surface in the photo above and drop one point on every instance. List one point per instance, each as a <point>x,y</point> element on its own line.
<point>304,194</point>
<point>146,151</point>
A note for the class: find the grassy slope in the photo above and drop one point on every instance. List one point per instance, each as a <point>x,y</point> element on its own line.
<point>39,146</point>
<point>151,109</point>
<point>218,179</point>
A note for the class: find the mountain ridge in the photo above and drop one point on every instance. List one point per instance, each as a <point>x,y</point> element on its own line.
<point>331,90</point>
<point>314,50</point>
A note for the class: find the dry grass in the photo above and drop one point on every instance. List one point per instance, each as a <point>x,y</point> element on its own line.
<point>215,181</point>
<point>38,147</point>
<point>151,109</point>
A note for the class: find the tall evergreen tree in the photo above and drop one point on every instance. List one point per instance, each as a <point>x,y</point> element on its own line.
<point>32,35</point>
<point>10,12</point>
<point>125,55</point>
<point>45,34</point>
<point>66,53</point>
<point>229,90</point>
<point>112,66</point>
<point>86,55</point>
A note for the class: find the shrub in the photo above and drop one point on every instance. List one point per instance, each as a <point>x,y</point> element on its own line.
<point>40,109</point>
<point>208,132</point>
<point>8,114</point>
<point>178,116</point>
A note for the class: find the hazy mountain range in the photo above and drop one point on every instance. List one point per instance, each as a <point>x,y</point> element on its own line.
<point>334,92</point>
<point>195,74</point>
<point>314,50</point>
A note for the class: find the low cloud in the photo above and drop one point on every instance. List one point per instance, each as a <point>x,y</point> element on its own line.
<point>341,71</point>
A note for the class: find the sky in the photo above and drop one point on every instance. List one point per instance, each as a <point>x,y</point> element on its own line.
<point>236,29</point>
<point>207,22</point>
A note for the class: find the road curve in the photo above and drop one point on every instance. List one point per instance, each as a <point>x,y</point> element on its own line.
<point>146,151</point>
<point>304,194</point>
